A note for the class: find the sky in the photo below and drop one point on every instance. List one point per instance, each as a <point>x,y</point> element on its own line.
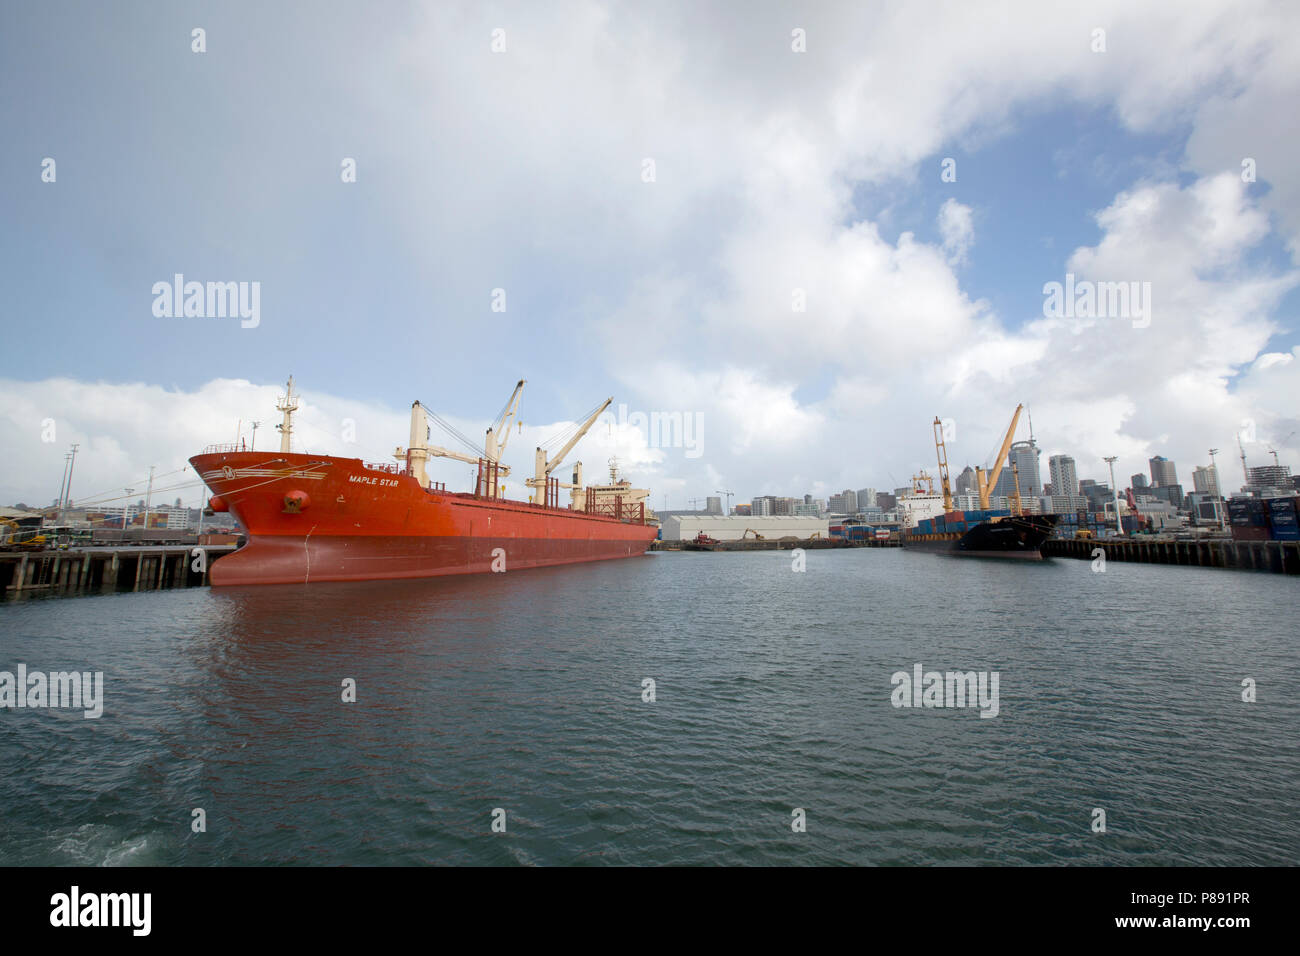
<point>805,230</point>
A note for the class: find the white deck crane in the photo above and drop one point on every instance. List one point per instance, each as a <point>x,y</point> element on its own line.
<point>545,465</point>
<point>420,451</point>
<point>497,447</point>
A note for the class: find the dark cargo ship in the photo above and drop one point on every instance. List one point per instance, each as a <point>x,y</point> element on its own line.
<point>978,534</point>
<point>985,533</point>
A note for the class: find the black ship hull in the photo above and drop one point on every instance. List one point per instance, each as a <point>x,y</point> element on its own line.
<point>1009,537</point>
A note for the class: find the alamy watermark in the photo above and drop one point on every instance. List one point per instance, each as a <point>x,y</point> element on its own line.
<point>37,689</point>
<point>664,429</point>
<point>210,300</point>
<point>1098,300</point>
<point>953,689</point>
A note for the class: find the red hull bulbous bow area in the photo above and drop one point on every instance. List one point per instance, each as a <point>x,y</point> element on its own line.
<point>314,518</point>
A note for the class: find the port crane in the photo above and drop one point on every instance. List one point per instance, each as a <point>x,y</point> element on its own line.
<point>542,483</point>
<point>985,481</point>
<point>942,451</point>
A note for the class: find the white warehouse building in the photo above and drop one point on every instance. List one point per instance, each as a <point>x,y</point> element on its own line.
<point>684,527</point>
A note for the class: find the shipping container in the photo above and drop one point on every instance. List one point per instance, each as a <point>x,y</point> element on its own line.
<point>1247,512</point>
<point>1282,514</point>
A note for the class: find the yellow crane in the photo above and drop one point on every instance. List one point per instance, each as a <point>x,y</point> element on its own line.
<point>942,451</point>
<point>985,481</point>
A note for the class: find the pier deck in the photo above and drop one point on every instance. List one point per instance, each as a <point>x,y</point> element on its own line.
<point>1279,557</point>
<point>97,570</point>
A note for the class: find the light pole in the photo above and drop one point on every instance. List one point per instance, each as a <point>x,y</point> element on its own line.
<point>253,446</point>
<point>148,499</point>
<point>1119,522</point>
<point>67,497</point>
<point>1214,469</point>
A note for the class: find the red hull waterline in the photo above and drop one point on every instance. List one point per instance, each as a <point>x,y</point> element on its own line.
<point>317,518</point>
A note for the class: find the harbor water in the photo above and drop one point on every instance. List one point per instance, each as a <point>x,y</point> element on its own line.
<point>510,719</point>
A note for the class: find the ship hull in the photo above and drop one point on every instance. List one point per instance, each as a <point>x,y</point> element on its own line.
<point>1015,538</point>
<point>315,518</point>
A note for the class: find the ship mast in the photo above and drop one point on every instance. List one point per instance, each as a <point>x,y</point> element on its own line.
<point>288,404</point>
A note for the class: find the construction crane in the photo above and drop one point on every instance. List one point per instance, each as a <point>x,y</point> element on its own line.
<point>1272,451</point>
<point>942,451</point>
<point>986,481</point>
<point>544,465</point>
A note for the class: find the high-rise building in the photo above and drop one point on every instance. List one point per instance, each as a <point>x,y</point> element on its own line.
<point>1065,479</point>
<point>886,501</point>
<point>713,506</point>
<point>844,504</point>
<point>866,499</point>
<point>1205,481</point>
<point>1024,455</point>
<point>1162,471</point>
<point>761,506</point>
<point>966,483</point>
<point>1269,477</point>
<point>1138,481</point>
<point>1098,495</point>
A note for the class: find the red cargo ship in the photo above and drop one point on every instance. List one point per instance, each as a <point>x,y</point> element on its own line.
<point>321,518</point>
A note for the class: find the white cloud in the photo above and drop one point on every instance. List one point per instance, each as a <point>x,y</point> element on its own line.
<point>957,228</point>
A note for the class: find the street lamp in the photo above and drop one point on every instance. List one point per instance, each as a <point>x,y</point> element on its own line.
<point>1119,522</point>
